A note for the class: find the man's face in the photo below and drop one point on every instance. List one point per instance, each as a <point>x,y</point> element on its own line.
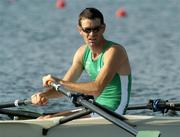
<point>92,31</point>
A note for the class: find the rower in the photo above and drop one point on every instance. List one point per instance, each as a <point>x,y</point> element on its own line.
<point>105,61</point>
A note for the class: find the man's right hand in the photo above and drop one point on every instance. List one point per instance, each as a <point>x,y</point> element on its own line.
<point>49,78</point>
<point>39,99</point>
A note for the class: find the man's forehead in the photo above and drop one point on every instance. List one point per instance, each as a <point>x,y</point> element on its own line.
<point>86,21</point>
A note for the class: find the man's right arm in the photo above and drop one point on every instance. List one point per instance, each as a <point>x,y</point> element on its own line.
<point>76,68</point>
<point>74,72</point>
<point>41,98</point>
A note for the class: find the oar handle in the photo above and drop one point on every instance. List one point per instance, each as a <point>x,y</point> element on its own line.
<point>60,88</point>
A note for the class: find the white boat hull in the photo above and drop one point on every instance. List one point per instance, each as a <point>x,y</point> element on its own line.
<point>89,127</point>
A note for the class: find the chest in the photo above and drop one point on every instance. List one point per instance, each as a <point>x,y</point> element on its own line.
<point>92,67</point>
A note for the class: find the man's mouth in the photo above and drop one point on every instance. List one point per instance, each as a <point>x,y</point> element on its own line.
<point>92,40</point>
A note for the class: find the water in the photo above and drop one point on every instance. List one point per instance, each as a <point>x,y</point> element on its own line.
<point>36,39</point>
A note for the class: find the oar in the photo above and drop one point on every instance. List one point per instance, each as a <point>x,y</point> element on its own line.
<point>81,99</point>
<point>15,103</point>
<point>21,114</point>
<point>157,105</point>
<point>28,114</point>
<point>24,114</point>
<point>68,118</point>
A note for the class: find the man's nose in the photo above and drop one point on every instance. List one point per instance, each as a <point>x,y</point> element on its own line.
<point>92,33</point>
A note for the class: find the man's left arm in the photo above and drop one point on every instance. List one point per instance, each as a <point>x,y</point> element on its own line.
<point>113,59</point>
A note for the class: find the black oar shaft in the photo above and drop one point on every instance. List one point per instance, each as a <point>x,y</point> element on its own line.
<point>109,117</point>
<point>6,105</point>
<point>110,111</point>
<point>173,104</point>
<point>16,103</point>
<point>20,113</point>
<point>135,107</point>
<point>67,119</point>
<point>156,105</point>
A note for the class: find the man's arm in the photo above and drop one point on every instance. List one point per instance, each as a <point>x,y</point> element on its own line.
<point>74,72</point>
<point>76,68</point>
<point>114,58</point>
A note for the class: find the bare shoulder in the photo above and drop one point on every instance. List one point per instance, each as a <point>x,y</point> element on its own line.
<point>117,57</point>
<point>117,49</point>
<point>79,53</point>
<point>81,49</point>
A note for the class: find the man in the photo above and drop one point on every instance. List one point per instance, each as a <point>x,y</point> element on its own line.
<point>105,62</point>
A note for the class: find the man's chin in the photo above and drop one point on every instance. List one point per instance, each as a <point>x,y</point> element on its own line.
<point>92,44</point>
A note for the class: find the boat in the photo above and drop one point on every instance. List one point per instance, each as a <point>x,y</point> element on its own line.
<point>89,127</point>
<point>107,124</point>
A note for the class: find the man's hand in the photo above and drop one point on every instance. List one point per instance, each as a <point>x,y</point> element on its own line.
<point>45,117</point>
<point>39,99</point>
<point>49,78</point>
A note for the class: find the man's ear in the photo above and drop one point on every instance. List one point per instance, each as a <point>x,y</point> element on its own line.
<point>79,29</point>
<point>104,28</point>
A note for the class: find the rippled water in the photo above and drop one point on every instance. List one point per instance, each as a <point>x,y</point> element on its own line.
<point>36,39</point>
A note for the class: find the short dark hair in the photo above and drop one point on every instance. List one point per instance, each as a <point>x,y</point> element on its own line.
<point>91,13</point>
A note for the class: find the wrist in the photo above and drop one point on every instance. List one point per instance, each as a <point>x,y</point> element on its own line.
<point>61,81</point>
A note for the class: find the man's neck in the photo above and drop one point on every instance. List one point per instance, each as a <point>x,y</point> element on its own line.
<point>97,49</point>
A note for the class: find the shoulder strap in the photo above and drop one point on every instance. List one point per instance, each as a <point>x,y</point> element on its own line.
<point>107,45</point>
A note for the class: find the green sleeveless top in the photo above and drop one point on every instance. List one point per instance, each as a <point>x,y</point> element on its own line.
<point>111,95</point>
